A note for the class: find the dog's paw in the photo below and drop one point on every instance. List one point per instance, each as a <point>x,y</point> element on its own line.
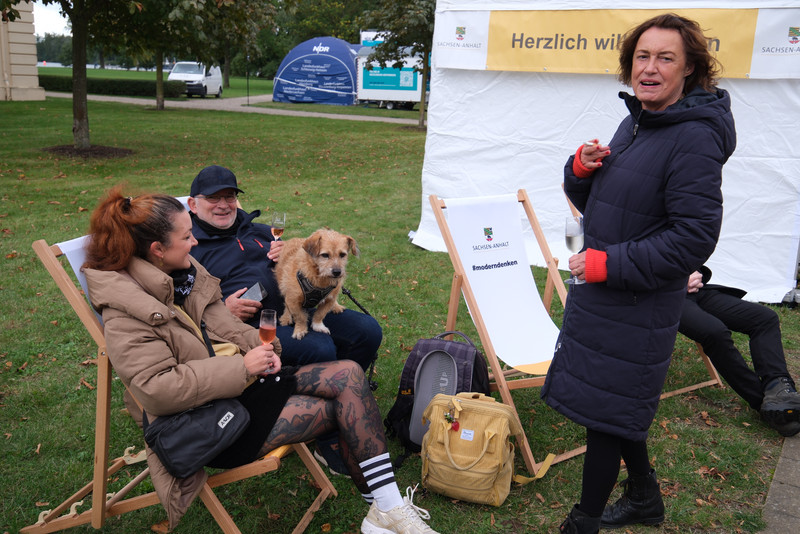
<point>299,332</point>
<point>286,319</point>
<point>319,327</point>
<point>337,308</point>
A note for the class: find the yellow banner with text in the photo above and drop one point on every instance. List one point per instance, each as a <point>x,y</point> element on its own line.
<point>587,41</point>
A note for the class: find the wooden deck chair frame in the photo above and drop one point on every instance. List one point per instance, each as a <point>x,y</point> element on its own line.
<point>503,381</point>
<point>714,379</point>
<point>104,506</point>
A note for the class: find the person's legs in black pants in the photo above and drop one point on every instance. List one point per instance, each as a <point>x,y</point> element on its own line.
<point>709,316</point>
<point>715,337</point>
<point>600,471</point>
<point>758,322</point>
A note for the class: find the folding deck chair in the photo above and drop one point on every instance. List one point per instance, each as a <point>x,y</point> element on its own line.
<point>714,379</point>
<point>485,241</point>
<point>104,506</point>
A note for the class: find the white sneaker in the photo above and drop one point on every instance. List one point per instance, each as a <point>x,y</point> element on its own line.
<point>406,519</point>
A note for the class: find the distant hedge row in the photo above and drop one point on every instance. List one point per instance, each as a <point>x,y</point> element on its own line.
<point>103,86</point>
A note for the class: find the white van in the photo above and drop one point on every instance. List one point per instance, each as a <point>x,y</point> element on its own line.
<point>200,79</point>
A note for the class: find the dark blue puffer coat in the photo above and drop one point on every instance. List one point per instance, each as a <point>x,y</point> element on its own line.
<point>655,208</point>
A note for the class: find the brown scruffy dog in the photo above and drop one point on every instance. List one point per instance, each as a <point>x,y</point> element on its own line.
<point>310,273</point>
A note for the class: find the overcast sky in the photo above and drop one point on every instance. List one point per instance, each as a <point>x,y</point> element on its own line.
<point>47,19</point>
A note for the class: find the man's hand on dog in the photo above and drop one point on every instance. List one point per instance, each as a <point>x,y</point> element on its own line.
<point>275,248</point>
<point>244,309</point>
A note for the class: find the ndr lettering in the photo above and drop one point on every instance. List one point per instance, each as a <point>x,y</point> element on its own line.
<point>319,48</point>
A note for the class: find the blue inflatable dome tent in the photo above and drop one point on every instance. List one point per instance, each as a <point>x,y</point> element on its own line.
<point>320,70</point>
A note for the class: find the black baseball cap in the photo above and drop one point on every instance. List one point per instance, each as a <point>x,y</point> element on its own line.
<point>212,179</point>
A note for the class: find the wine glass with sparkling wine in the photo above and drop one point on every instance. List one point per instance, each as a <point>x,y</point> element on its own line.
<point>267,328</point>
<point>278,225</point>
<point>573,234</point>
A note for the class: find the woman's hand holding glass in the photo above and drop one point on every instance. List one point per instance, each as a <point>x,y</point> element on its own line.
<point>262,360</point>
<point>573,234</point>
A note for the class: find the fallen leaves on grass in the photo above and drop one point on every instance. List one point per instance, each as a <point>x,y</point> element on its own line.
<point>707,419</point>
<point>162,527</point>
<point>710,472</point>
<point>84,383</point>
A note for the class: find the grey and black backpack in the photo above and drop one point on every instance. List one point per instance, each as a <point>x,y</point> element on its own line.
<point>433,366</point>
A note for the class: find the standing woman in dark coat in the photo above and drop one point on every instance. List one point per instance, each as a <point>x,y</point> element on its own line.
<point>652,210</point>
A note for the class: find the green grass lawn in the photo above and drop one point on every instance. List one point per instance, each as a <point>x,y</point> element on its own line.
<point>713,455</point>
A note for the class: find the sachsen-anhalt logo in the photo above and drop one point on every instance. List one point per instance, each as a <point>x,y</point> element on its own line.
<point>794,35</point>
<point>488,233</point>
<point>461,32</point>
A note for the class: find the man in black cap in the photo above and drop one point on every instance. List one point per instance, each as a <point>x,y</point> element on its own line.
<point>241,253</point>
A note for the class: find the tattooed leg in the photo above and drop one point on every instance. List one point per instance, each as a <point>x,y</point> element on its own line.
<point>333,396</point>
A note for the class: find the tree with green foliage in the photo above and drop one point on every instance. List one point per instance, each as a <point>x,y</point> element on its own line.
<point>234,26</point>
<point>297,21</point>
<point>406,28</point>
<point>52,47</point>
<point>80,14</point>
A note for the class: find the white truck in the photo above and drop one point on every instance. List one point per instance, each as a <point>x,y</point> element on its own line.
<point>388,87</point>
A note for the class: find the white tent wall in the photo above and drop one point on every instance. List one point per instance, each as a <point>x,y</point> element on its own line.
<point>494,132</point>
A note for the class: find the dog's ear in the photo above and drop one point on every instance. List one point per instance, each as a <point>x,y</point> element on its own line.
<point>312,245</point>
<point>351,243</point>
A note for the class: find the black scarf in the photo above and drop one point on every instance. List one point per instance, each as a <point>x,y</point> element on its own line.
<point>183,281</point>
<point>212,230</point>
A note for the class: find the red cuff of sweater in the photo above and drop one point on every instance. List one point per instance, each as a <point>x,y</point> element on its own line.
<point>596,270</point>
<point>577,166</point>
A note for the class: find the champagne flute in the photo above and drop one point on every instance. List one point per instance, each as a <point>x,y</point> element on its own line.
<point>573,233</point>
<point>267,328</point>
<point>278,225</point>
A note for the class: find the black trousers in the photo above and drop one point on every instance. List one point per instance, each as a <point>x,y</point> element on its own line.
<point>710,315</point>
<point>601,467</point>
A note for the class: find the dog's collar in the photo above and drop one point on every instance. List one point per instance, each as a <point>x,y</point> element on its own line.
<point>312,295</point>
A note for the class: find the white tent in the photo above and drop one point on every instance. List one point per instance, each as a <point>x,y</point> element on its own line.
<point>517,85</point>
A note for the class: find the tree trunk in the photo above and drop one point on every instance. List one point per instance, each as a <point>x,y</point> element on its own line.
<point>80,109</point>
<point>423,100</point>
<point>160,80</point>
<point>226,70</point>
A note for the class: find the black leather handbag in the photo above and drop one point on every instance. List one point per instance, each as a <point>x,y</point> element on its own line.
<point>187,441</point>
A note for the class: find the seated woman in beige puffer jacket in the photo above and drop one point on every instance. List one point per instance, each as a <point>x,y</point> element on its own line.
<point>157,304</point>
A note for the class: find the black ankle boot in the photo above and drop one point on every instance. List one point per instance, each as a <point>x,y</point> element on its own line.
<point>781,403</point>
<point>579,523</point>
<point>640,503</point>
